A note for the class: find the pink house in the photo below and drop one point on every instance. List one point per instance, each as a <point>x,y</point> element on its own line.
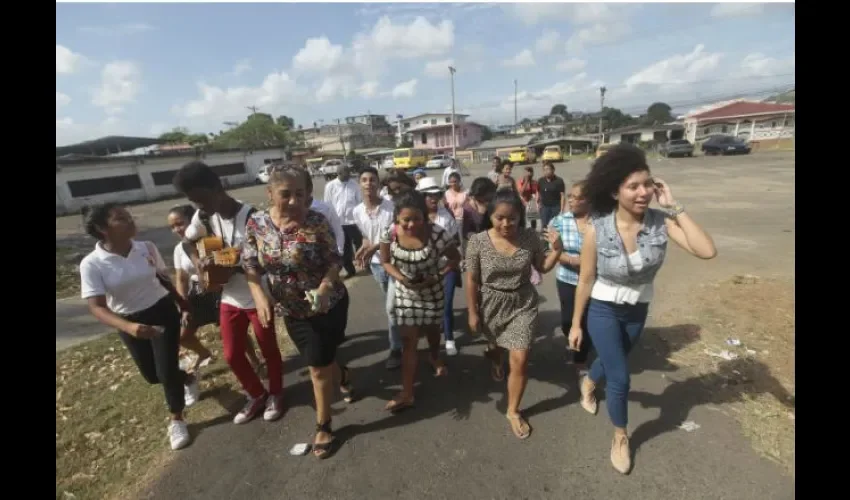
<point>438,138</point>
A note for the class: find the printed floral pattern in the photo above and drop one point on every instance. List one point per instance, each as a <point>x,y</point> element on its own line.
<point>294,260</point>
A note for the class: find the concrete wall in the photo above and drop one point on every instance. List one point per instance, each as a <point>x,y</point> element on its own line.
<point>441,138</point>
<point>144,170</point>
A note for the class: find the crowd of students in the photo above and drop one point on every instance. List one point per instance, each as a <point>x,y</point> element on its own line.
<point>420,240</point>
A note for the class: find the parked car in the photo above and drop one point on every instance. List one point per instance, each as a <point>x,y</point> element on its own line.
<point>553,153</point>
<point>676,147</point>
<point>522,156</point>
<point>330,167</point>
<point>438,161</point>
<point>603,148</point>
<point>725,145</point>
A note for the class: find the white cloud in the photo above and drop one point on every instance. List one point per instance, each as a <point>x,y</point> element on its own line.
<point>120,82</point>
<point>216,104</point>
<point>125,29</point>
<point>67,62</point>
<point>727,10</point>
<point>386,40</point>
<point>405,89</point>
<point>241,67</point>
<point>438,69</point>
<point>547,41</point>
<point>534,13</point>
<point>318,55</point>
<point>62,100</point>
<point>761,66</point>
<point>571,64</point>
<point>677,70</point>
<point>523,59</point>
<point>368,89</point>
<point>597,34</point>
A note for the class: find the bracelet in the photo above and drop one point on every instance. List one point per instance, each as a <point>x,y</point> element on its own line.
<point>676,210</point>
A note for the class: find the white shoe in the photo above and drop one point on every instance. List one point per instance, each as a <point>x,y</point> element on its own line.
<point>451,349</point>
<point>191,392</point>
<point>273,409</point>
<point>178,434</point>
<point>250,410</point>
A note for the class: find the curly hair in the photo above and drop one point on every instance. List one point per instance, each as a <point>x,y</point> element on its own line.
<point>412,200</point>
<point>609,172</point>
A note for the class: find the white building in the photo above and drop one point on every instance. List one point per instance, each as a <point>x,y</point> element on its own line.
<point>747,120</point>
<point>87,180</point>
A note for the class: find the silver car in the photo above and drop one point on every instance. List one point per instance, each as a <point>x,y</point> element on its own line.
<point>676,147</point>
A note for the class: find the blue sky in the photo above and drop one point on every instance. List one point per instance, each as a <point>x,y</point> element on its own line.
<point>142,69</point>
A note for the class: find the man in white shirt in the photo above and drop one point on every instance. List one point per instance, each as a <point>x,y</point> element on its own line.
<point>452,168</point>
<point>329,213</point>
<point>343,194</point>
<point>226,218</point>
<point>372,217</point>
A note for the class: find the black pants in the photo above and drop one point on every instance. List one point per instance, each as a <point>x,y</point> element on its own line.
<point>158,358</point>
<point>353,240</point>
<point>547,214</point>
<point>567,296</point>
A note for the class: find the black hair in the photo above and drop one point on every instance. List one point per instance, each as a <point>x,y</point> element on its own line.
<point>509,197</point>
<point>368,170</point>
<point>609,172</point>
<point>186,211</point>
<point>95,218</point>
<point>412,200</point>
<point>195,175</point>
<point>482,187</point>
<point>548,163</point>
<point>455,175</point>
<point>400,177</point>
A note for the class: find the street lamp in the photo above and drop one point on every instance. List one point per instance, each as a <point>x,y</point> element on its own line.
<point>454,139</point>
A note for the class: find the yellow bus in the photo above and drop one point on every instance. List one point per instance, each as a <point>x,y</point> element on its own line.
<point>407,158</point>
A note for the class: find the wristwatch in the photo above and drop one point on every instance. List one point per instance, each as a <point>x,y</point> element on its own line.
<point>676,210</point>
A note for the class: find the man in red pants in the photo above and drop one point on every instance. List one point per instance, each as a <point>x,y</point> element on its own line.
<point>226,218</point>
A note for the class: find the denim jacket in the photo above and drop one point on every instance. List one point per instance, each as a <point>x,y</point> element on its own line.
<point>611,257</point>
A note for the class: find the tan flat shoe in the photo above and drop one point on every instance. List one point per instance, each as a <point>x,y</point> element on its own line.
<point>588,398</point>
<point>621,454</point>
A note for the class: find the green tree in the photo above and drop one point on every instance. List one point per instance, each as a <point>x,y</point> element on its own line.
<point>658,113</point>
<point>258,131</point>
<point>286,122</point>
<point>560,110</point>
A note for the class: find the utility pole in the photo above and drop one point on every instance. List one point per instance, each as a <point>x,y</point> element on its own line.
<point>342,143</point>
<point>601,109</point>
<point>253,109</point>
<point>516,118</point>
<point>454,139</point>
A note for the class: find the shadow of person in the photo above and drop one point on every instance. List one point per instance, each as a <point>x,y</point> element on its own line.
<point>733,381</point>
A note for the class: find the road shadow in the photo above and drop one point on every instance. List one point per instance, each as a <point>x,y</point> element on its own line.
<point>733,381</point>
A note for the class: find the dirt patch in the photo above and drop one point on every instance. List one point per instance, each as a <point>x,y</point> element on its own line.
<point>67,273</point>
<point>742,354</point>
<point>111,425</point>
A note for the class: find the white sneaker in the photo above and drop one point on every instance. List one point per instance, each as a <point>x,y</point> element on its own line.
<point>191,392</point>
<point>451,349</point>
<point>250,410</point>
<point>178,434</point>
<point>273,409</point>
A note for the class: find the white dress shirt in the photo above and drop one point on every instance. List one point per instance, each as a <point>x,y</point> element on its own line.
<point>372,225</point>
<point>343,197</point>
<point>326,210</point>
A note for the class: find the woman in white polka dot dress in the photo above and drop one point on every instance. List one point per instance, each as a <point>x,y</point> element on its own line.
<point>411,249</point>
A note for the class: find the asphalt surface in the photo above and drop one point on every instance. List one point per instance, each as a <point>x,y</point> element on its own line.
<point>457,443</point>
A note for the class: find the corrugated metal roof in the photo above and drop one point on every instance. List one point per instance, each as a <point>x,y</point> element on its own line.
<point>508,142</point>
<point>743,108</point>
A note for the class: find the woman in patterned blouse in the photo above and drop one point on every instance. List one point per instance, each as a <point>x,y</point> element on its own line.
<point>293,247</point>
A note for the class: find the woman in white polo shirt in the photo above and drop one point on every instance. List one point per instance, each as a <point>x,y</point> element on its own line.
<point>120,282</point>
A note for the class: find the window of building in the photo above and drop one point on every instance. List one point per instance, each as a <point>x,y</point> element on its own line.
<point>723,129</point>
<point>228,169</point>
<point>424,138</point>
<point>433,121</point>
<point>448,119</point>
<point>464,133</point>
<point>706,131</point>
<point>163,178</point>
<point>93,187</point>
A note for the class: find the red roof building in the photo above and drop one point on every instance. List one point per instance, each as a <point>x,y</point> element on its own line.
<point>748,120</point>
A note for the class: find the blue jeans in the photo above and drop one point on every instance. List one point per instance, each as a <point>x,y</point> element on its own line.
<point>614,330</point>
<point>547,214</point>
<point>448,312</point>
<point>384,281</point>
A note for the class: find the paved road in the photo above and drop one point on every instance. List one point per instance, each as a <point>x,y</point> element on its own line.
<point>457,444</point>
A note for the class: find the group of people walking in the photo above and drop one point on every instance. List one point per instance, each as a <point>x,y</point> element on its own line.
<point>420,241</point>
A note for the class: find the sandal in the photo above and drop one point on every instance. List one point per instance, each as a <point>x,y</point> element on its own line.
<point>324,450</point>
<point>497,372</point>
<point>398,405</point>
<point>345,386</point>
<point>519,426</point>
<point>439,367</point>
